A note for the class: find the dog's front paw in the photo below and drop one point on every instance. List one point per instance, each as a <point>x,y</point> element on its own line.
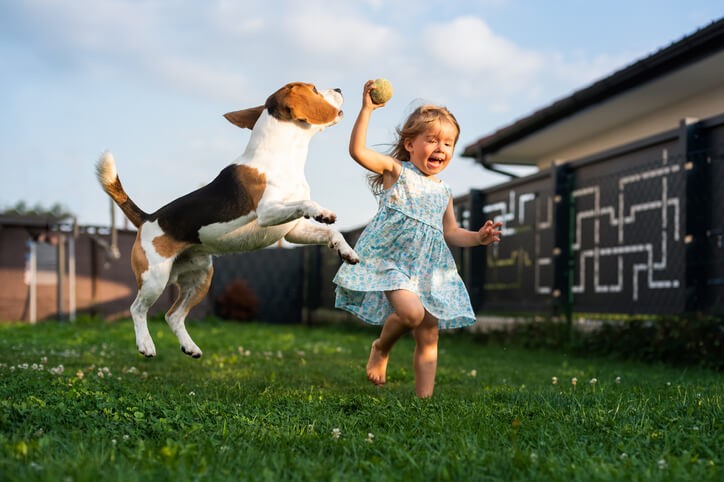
<point>349,257</point>
<point>326,217</point>
<point>318,213</point>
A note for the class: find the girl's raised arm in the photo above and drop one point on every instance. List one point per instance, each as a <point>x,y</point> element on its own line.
<point>368,158</point>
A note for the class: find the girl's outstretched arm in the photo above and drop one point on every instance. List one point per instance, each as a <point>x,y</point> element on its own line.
<point>368,158</point>
<point>463,238</point>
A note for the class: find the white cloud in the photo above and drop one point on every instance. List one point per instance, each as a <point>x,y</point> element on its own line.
<point>334,35</point>
<point>468,44</point>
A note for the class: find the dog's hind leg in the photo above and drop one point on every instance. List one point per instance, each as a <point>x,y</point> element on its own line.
<point>307,232</point>
<point>151,277</point>
<point>153,285</point>
<point>192,275</point>
<point>152,270</point>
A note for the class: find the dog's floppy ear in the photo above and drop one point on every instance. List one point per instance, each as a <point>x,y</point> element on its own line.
<point>245,118</point>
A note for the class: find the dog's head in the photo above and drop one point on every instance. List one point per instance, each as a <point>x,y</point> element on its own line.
<point>295,102</point>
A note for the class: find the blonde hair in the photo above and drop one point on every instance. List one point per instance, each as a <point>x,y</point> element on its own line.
<point>421,120</point>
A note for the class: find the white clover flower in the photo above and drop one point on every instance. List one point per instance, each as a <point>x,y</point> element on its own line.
<point>370,438</point>
<point>336,433</point>
<point>79,374</point>
<point>554,380</point>
<point>618,379</point>
<point>593,381</point>
<point>662,464</point>
<point>473,373</point>
<point>100,374</point>
<point>574,380</point>
<point>192,394</point>
<point>624,456</point>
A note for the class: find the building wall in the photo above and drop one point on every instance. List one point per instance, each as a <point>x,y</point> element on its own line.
<point>707,104</point>
<point>104,287</point>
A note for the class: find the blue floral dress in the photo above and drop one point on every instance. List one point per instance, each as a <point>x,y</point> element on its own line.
<point>403,248</point>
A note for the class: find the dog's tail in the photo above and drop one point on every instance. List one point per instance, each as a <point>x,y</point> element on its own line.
<point>108,177</point>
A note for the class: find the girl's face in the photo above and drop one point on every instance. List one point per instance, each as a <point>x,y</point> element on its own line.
<point>432,150</point>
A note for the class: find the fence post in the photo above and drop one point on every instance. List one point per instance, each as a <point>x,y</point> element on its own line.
<point>563,222</point>
<point>60,283</point>
<point>698,212</point>
<point>476,259</point>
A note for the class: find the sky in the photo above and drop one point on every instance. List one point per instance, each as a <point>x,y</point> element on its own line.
<point>151,80</point>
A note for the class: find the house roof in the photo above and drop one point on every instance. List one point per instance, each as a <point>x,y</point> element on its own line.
<point>697,60</point>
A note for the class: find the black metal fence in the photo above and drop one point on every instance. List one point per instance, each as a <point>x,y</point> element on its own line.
<point>634,230</point>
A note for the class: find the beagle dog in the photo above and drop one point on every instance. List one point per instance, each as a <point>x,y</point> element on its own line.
<point>260,199</point>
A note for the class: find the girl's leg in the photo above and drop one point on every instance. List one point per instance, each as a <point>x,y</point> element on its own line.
<point>408,314</point>
<point>425,358</point>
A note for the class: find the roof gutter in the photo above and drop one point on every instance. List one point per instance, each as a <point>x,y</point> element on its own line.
<point>485,162</point>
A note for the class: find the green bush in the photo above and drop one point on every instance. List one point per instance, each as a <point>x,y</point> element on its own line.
<point>676,341</point>
<point>691,341</point>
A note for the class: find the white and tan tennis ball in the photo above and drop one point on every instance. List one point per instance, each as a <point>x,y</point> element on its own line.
<point>382,91</point>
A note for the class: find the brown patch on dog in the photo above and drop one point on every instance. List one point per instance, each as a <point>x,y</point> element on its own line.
<point>253,181</point>
<point>245,118</point>
<point>139,261</point>
<point>300,101</point>
<point>167,246</point>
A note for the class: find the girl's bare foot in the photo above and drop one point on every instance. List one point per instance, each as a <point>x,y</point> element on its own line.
<point>377,365</point>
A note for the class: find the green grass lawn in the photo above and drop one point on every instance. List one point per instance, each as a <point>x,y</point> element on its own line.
<point>270,402</point>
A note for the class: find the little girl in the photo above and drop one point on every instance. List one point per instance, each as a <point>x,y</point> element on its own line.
<point>407,278</point>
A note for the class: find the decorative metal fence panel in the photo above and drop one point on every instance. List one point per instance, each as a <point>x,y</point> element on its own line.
<point>634,230</point>
<point>712,259</point>
<point>516,274</point>
<point>629,231</point>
